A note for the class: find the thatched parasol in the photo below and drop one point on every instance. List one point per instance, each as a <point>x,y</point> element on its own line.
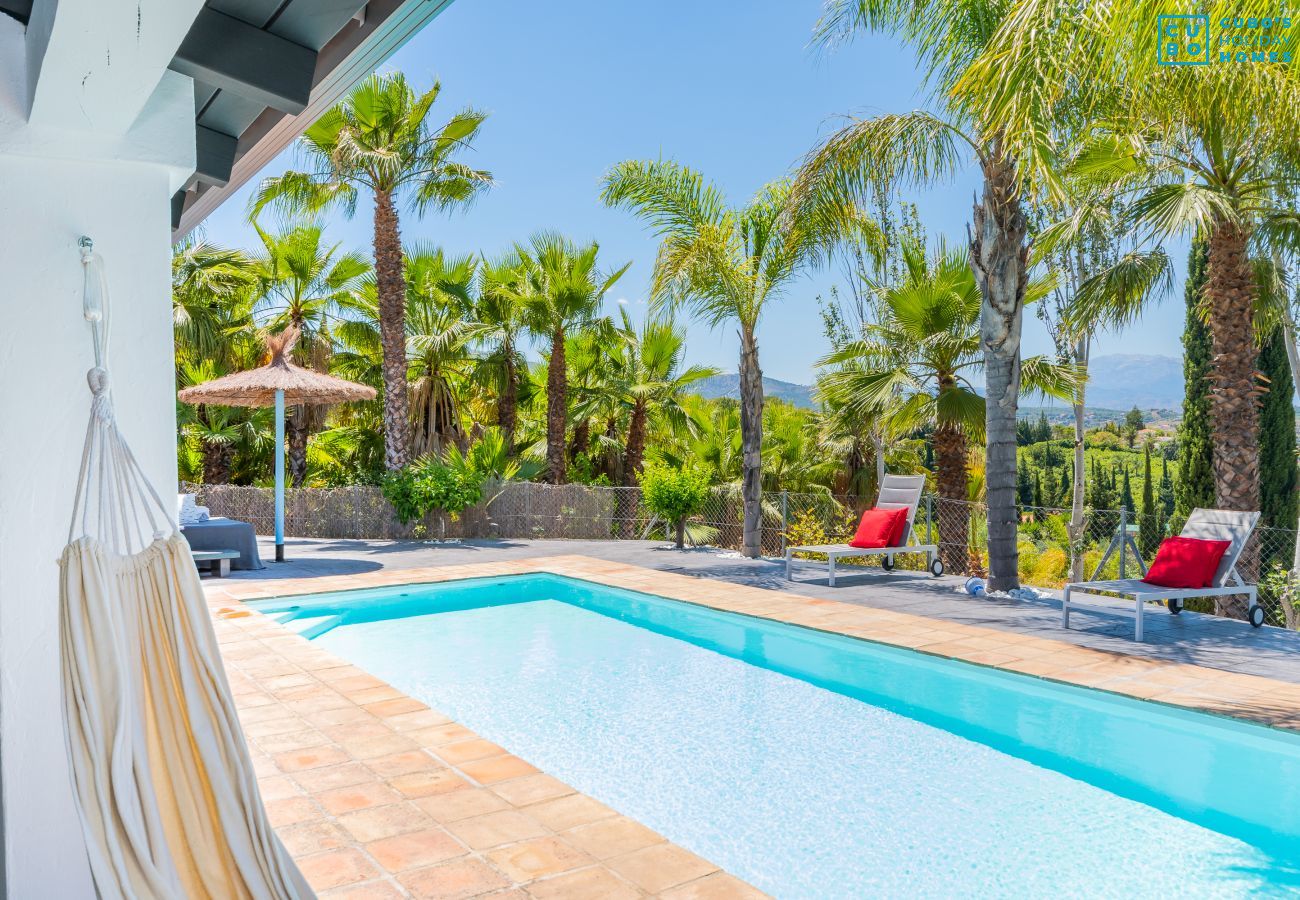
<point>278,382</point>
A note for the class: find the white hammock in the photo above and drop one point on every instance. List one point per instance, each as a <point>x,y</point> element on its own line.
<point>168,800</point>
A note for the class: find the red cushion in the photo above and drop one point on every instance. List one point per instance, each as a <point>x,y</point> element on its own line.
<point>880,528</point>
<point>1186,562</point>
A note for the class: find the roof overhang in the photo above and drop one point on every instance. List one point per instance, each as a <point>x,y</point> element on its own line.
<point>264,70</point>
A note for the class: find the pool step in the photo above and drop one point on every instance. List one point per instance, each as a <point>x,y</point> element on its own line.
<point>311,626</point>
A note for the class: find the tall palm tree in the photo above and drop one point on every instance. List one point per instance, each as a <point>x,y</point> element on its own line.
<point>302,283</point>
<point>922,147</point>
<point>439,338</point>
<point>725,264</point>
<point>655,383</point>
<point>501,316</point>
<point>1186,149</point>
<point>379,139</point>
<point>562,293</point>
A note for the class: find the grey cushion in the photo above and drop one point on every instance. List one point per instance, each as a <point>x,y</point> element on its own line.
<point>226,534</point>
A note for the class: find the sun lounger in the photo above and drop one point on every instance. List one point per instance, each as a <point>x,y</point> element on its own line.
<point>896,491</point>
<point>1204,524</point>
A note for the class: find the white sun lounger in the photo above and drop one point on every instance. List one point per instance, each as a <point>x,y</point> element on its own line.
<point>1205,524</point>
<point>896,491</point>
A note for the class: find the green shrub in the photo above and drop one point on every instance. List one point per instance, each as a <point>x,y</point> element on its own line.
<point>429,485</point>
<point>674,494</point>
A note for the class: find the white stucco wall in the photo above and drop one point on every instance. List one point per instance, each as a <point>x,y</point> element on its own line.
<point>57,183</point>
<point>45,351</point>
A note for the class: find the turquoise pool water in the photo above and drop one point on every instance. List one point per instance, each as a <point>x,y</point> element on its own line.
<point>819,766</point>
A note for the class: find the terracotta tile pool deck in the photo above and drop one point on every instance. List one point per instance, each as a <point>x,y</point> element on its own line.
<point>378,796</point>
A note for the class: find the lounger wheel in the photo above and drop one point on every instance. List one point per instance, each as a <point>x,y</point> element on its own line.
<point>1175,606</point>
<point>936,568</point>
<point>1256,616</point>
<point>887,564</point>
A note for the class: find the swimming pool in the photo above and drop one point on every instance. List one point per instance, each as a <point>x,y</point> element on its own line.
<point>816,765</point>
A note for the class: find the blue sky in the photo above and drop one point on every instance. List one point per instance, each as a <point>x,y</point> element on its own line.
<point>731,89</point>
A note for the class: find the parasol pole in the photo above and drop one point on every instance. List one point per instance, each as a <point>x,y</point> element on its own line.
<point>279,476</point>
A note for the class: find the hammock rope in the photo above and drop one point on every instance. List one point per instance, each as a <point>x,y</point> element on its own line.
<point>164,786</point>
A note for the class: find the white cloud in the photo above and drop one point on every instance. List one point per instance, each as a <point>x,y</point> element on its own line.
<point>622,301</point>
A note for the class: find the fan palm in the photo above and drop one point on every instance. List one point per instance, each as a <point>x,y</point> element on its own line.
<point>209,287</point>
<point>726,264</point>
<point>655,383</point>
<point>302,283</point>
<point>562,291</point>
<point>379,139</point>
<point>501,316</point>
<point>923,147</point>
<point>212,321</point>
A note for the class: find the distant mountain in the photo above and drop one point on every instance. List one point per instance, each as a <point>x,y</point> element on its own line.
<point>728,385</point>
<point>1116,384</point>
<point>1125,380</point>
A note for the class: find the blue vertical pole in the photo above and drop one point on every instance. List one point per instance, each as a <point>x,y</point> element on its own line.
<point>279,476</point>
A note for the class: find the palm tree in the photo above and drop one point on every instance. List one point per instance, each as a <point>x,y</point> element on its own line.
<point>209,287</point>
<point>501,316</point>
<point>725,264</point>
<point>302,283</point>
<point>922,147</point>
<point>379,139</point>
<point>655,383</point>
<point>212,321</point>
<point>439,337</point>
<point>913,362</point>
<point>561,292</point>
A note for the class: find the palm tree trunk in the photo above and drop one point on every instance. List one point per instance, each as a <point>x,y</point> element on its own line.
<point>751,442</point>
<point>581,439</point>
<point>953,517</point>
<point>390,286</point>
<point>557,383</point>
<point>634,453</point>
<point>1234,403</point>
<point>297,429</point>
<point>1293,360</point>
<point>999,257</point>
<point>217,458</point>
<point>1077,523</point>
<point>508,403</point>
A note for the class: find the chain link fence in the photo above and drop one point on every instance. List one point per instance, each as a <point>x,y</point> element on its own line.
<point>1052,549</point>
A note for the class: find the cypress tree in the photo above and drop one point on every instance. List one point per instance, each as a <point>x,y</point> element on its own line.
<point>1126,495</point>
<point>1038,490</point>
<point>1277,447</point>
<point>1024,488</point>
<point>1195,445</point>
<point>1051,488</point>
<point>1166,490</point>
<point>1148,521</point>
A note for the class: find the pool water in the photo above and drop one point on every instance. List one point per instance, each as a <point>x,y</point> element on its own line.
<point>820,766</point>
